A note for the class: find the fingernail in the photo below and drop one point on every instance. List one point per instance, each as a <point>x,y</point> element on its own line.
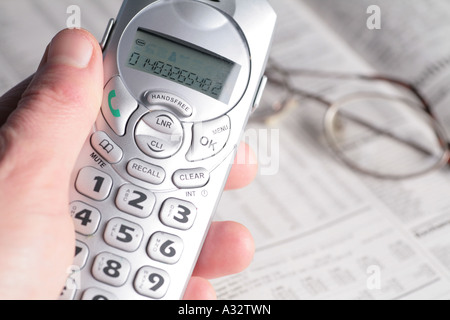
<point>71,48</point>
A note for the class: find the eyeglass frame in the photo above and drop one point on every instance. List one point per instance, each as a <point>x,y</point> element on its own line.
<point>333,108</point>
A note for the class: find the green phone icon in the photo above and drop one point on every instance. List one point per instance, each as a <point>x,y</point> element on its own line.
<point>115,112</point>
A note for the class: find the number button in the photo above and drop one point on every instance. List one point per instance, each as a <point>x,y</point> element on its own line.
<point>136,201</point>
<point>178,214</point>
<point>94,184</point>
<point>97,294</point>
<point>124,235</point>
<point>152,282</point>
<point>164,247</point>
<point>81,254</point>
<point>111,269</point>
<point>86,218</point>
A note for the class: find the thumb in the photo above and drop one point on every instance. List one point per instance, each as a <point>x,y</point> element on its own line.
<point>59,106</point>
<point>39,144</point>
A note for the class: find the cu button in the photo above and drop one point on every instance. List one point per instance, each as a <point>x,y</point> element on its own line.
<point>159,134</point>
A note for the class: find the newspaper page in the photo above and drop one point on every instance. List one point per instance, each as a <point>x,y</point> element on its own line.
<point>411,43</point>
<point>321,230</point>
<point>24,37</point>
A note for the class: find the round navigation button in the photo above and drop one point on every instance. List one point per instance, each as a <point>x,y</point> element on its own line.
<point>159,134</point>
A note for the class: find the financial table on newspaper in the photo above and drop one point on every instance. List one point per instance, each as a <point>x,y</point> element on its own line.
<point>321,230</point>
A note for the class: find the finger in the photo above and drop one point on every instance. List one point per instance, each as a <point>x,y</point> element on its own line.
<point>38,147</point>
<point>199,289</point>
<point>9,101</point>
<point>244,170</point>
<point>228,249</point>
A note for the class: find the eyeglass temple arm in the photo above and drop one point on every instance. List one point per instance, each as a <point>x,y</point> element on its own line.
<point>337,75</point>
<point>327,103</point>
<point>407,86</point>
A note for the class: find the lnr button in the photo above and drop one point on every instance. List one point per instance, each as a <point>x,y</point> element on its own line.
<point>191,178</point>
<point>170,100</point>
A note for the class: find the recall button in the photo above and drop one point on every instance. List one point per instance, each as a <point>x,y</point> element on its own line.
<point>170,100</point>
<point>191,178</point>
<point>146,172</point>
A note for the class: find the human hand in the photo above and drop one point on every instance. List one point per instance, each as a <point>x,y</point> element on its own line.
<point>38,118</point>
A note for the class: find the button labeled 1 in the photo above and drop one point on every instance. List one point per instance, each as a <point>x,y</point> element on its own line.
<point>93,183</point>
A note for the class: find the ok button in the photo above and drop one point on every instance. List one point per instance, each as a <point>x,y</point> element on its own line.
<point>159,134</point>
<point>209,138</point>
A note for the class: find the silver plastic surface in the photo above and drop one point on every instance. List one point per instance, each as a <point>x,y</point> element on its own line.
<point>240,31</point>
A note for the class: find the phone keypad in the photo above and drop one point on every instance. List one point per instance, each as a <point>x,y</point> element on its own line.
<point>158,134</point>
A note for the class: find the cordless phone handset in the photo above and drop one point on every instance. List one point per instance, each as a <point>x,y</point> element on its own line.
<point>181,79</point>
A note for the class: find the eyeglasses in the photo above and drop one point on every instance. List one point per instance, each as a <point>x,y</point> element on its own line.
<point>381,133</point>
